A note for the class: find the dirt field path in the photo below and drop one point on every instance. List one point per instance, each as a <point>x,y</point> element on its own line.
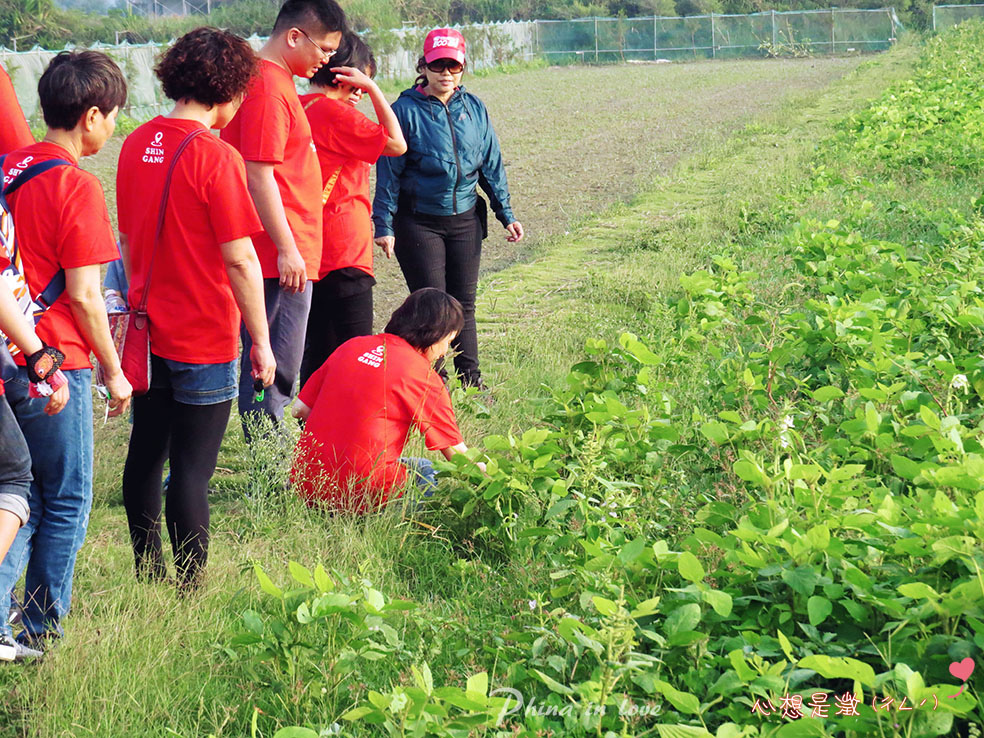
<point>578,139</point>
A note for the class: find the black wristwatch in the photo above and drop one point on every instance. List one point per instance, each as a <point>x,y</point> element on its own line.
<point>42,364</point>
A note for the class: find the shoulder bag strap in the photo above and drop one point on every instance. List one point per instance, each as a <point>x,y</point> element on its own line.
<point>160,214</point>
<point>326,193</point>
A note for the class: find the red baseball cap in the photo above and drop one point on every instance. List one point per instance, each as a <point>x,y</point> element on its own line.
<point>444,43</point>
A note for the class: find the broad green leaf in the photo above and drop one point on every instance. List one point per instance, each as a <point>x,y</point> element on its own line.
<point>552,683</point>
<point>684,618</point>
<point>787,647</point>
<point>719,601</point>
<point>682,701</point>
<point>715,431</point>
<point>831,667</point>
<point>266,584</point>
<point>819,609</point>
<point>300,574</point>
<point>604,606</point>
<point>358,713</point>
<point>681,731</point>
<point>646,607</point>
<point>375,599</point>
<point>918,591</point>
<point>322,580</point>
<point>905,468</point>
<point>803,579</point>
<point>478,684</point>
<point>296,732</point>
<point>690,568</point>
<point>826,394</point>
<point>632,550</point>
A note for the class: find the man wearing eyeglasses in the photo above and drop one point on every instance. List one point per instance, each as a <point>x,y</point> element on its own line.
<point>272,133</point>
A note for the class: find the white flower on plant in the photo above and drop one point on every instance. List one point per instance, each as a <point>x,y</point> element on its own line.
<point>959,382</point>
<point>532,604</point>
<point>398,702</point>
<point>787,422</point>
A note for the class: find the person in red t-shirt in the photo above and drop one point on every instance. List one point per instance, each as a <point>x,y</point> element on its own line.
<point>272,133</point>
<point>205,275</point>
<point>348,143</point>
<point>359,406</point>
<point>62,227</point>
<point>14,133</point>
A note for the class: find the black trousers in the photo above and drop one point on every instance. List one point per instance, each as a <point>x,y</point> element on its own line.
<point>444,251</point>
<point>340,310</point>
<point>190,435</point>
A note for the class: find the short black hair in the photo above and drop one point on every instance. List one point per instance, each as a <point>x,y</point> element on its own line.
<point>353,52</point>
<point>76,81</point>
<point>208,66</point>
<point>316,16</point>
<point>425,317</point>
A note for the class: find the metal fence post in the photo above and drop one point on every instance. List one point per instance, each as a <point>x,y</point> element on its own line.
<point>596,39</point>
<point>934,19</point>
<point>655,34</point>
<point>713,51</point>
<point>832,45</point>
<point>775,37</point>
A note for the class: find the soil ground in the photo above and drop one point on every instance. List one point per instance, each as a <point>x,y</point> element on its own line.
<point>578,139</point>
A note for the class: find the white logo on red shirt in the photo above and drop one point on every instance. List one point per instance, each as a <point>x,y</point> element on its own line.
<point>17,169</point>
<point>154,154</point>
<point>373,358</point>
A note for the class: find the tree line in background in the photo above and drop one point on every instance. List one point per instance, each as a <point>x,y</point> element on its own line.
<point>51,25</point>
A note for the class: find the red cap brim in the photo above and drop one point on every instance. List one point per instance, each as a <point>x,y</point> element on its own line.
<point>445,52</point>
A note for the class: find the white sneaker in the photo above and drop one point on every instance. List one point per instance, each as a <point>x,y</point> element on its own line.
<point>11,650</point>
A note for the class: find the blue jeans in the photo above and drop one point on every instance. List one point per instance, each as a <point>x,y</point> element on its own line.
<point>61,497</point>
<point>194,384</point>
<point>422,473</point>
<point>287,315</point>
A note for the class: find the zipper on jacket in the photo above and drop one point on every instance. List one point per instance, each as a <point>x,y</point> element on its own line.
<point>457,160</point>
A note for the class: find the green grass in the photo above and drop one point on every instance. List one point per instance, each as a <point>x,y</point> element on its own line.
<point>138,661</point>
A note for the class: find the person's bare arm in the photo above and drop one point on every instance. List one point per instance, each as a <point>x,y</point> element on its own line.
<point>82,289</point>
<point>125,254</point>
<point>300,410</point>
<point>397,144</point>
<point>9,525</point>
<point>246,280</point>
<point>270,206</point>
<point>461,448</point>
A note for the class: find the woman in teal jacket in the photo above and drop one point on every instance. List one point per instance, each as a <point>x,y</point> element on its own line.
<point>426,208</point>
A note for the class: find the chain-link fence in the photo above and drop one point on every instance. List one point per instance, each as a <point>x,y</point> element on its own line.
<point>947,16</point>
<point>774,33</point>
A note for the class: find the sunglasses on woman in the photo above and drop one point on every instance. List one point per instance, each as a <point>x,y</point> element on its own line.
<point>440,65</point>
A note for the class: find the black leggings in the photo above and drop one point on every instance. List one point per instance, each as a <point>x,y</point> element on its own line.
<point>190,436</point>
<point>444,251</point>
<point>332,321</point>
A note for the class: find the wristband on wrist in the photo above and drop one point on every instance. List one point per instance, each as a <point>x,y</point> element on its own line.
<point>44,363</point>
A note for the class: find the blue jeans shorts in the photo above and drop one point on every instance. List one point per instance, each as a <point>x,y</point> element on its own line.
<point>195,384</point>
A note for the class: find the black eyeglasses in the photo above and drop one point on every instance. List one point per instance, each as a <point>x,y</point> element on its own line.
<point>438,66</point>
<point>326,53</point>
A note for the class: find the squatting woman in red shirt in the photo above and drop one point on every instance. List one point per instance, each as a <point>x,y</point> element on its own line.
<point>360,405</point>
<point>199,278</point>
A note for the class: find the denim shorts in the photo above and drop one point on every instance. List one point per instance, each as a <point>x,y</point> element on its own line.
<point>195,384</point>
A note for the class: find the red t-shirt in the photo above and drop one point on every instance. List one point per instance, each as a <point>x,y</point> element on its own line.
<point>14,133</point>
<point>347,143</point>
<point>193,313</point>
<point>60,222</point>
<point>271,127</point>
<point>363,401</point>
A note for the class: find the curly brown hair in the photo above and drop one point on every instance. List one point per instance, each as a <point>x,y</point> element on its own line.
<point>207,65</point>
